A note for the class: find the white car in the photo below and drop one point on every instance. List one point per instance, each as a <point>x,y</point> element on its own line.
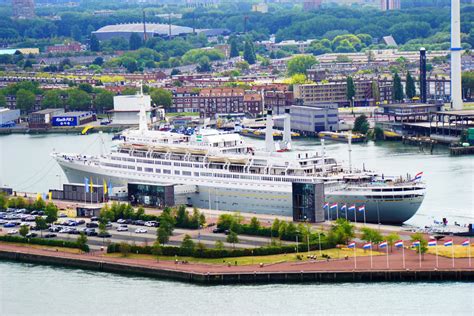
<point>121,221</point>
<point>151,224</point>
<point>122,228</point>
<point>12,232</point>
<point>141,231</point>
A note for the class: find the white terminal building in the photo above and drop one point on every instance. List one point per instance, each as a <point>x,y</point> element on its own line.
<point>127,108</point>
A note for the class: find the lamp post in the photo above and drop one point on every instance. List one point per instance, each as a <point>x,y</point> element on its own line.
<point>59,180</point>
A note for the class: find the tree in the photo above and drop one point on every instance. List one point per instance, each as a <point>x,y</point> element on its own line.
<point>234,51</point>
<point>341,232</point>
<point>410,89</point>
<point>51,212</point>
<point>397,88</point>
<point>104,101</point>
<point>423,248</point>
<point>249,53</point>
<point>99,61</point>
<point>161,97</point>
<point>157,250</point>
<point>375,91</point>
<point>372,235</point>
<point>361,124</point>
<point>94,43</point>
<point>25,100</point>
<point>3,201</point>
<point>86,87</point>
<point>76,32</point>
<point>135,41</point>
<point>124,249</point>
<point>41,224</point>
<point>52,99</point>
<point>82,242</point>
<point>24,230</point>
<point>275,227</point>
<point>187,244</point>
<point>254,224</point>
<point>130,64</point>
<point>162,235</point>
<point>350,89</point>
<point>232,238</point>
<point>204,65</point>
<point>391,239</point>
<point>78,100</point>
<point>3,100</point>
<point>300,64</point>
<point>218,245</point>
<point>28,64</point>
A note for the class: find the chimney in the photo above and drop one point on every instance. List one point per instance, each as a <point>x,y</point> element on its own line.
<point>269,144</point>
<point>422,75</point>
<point>456,94</point>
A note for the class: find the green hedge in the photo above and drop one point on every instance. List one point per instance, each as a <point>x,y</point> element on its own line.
<point>44,242</point>
<point>221,253</point>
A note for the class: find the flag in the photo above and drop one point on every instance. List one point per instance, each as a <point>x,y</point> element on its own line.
<point>109,189</point>
<point>91,185</point>
<point>398,244</point>
<point>351,245</point>
<point>362,208</point>
<point>343,207</point>
<point>104,184</point>
<point>383,244</point>
<point>326,205</point>
<point>38,196</point>
<point>418,176</point>
<point>448,243</point>
<point>367,245</point>
<point>50,195</point>
<point>86,184</point>
<point>334,205</point>
<point>416,243</point>
<point>465,243</point>
<point>352,207</point>
<point>432,243</point>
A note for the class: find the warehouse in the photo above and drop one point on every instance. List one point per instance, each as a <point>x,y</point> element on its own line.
<point>152,30</point>
<point>73,118</point>
<point>8,118</point>
<point>43,118</point>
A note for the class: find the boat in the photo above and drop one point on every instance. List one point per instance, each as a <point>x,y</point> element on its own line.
<point>260,133</point>
<point>342,137</point>
<point>231,175</point>
<point>391,135</point>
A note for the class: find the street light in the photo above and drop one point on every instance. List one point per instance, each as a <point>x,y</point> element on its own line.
<point>59,180</point>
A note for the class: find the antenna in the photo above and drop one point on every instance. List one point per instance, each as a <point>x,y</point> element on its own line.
<point>144,27</point>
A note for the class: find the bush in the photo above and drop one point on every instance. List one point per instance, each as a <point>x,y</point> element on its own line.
<point>44,242</point>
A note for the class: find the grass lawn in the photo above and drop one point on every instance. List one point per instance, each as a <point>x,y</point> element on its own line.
<point>43,247</point>
<point>459,251</point>
<point>333,253</point>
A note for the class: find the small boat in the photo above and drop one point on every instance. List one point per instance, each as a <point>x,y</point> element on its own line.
<point>86,129</point>
<point>391,135</point>
<point>342,137</point>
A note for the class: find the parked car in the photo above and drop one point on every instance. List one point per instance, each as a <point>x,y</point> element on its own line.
<point>29,218</point>
<point>92,225</point>
<point>31,235</point>
<point>108,225</point>
<point>121,221</point>
<point>81,221</point>
<point>73,231</point>
<point>91,232</point>
<point>122,228</point>
<point>64,230</point>
<point>54,229</point>
<point>50,235</point>
<point>12,232</point>
<point>218,230</point>
<point>104,235</point>
<point>9,224</point>
<point>152,224</point>
<point>62,215</point>
<point>139,222</point>
<point>94,219</point>
<point>141,231</point>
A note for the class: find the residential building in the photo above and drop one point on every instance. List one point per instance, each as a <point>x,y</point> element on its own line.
<point>72,47</point>
<point>260,7</point>
<point>278,101</point>
<point>386,5</point>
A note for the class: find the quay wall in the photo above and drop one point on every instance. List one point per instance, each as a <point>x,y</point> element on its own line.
<point>261,277</point>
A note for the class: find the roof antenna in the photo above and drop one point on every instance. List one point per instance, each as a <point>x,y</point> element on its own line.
<point>144,27</point>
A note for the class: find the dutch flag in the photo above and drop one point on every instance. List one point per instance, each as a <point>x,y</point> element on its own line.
<point>326,205</point>
<point>418,176</point>
<point>352,207</point>
<point>465,243</point>
<point>351,245</point>
<point>416,243</point>
<point>333,206</point>
<point>343,207</point>
<point>367,245</point>
<point>448,243</point>
<point>383,244</point>
<point>362,208</point>
<point>432,243</point>
<point>398,244</point>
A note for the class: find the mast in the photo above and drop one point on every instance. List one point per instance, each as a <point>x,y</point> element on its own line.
<point>349,143</point>
<point>269,144</point>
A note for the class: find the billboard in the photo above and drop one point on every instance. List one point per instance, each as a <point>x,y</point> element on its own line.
<point>64,121</point>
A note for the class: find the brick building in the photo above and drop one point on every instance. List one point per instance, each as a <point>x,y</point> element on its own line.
<point>278,100</point>
<point>73,47</point>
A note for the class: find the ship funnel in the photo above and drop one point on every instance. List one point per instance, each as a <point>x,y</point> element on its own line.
<point>456,95</point>
<point>269,144</point>
<point>287,129</point>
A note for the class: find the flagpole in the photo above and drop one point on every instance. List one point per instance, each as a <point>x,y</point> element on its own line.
<point>364,216</point>
<point>337,211</point>
<point>403,256</point>
<point>355,258</point>
<point>371,262</point>
<point>469,251</point>
<point>452,251</point>
<point>355,214</point>
<point>345,210</point>
<point>386,247</point>
<point>437,263</point>
<point>419,251</point>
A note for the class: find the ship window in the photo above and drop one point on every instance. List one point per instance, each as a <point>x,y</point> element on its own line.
<point>148,169</point>
<point>176,172</point>
<point>166,171</point>
<point>139,168</point>
<point>158,170</point>
<point>196,174</point>
<point>186,173</point>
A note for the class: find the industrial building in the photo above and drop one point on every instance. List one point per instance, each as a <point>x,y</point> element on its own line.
<point>73,118</point>
<point>127,107</point>
<point>43,118</point>
<point>80,192</point>
<point>152,30</point>
<point>312,118</point>
<point>8,118</point>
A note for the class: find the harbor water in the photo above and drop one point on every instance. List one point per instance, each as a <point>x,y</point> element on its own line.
<point>27,289</point>
<point>26,165</point>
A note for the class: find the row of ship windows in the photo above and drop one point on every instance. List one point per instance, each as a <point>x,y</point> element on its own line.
<point>206,174</point>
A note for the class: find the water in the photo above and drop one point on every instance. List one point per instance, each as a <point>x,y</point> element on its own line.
<point>25,165</point>
<point>27,289</point>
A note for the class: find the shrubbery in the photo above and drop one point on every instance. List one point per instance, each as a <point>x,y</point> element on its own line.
<point>45,242</point>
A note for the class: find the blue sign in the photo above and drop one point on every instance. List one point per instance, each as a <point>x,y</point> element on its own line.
<point>64,121</point>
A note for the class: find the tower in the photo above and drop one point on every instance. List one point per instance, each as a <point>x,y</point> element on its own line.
<point>422,75</point>
<point>456,95</point>
<point>23,9</point>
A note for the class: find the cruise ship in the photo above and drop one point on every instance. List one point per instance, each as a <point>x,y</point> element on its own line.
<point>229,174</point>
